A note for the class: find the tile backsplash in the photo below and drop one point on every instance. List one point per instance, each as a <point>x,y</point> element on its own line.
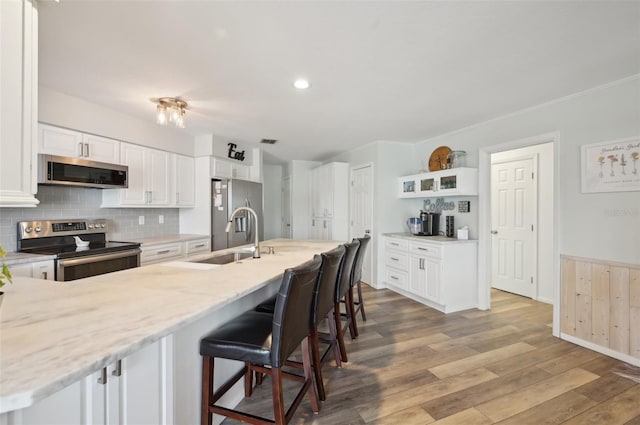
<point>62,202</point>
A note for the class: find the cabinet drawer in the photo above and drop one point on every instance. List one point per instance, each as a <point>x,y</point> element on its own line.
<point>425,249</point>
<point>160,252</point>
<point>393,243</point>
<point>197,246</point>
<point>399,260</point>
<point>397,278</point>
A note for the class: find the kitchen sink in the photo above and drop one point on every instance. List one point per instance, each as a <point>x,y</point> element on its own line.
<point>226,258</point>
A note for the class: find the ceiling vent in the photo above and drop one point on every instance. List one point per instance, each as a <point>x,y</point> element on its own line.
<point>269,141</point>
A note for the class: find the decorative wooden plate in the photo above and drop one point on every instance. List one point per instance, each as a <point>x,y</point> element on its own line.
<point>438,158</point>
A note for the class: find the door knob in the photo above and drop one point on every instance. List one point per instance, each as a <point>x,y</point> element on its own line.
<point>494,232</point>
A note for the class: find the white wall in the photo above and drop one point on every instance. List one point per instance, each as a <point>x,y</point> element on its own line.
<point>596,225</point>
<point>272,188</point>
<point>77,114</point>
<point>390,160</point>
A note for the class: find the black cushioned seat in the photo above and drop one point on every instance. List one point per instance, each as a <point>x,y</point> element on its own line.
<point>246,338</point>
<point>264,342</point>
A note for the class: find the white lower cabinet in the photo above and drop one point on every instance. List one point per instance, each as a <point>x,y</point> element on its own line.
<point>136,390</point>
<point>155,253</point>
<point>37,270</point>
<point>440,274</point>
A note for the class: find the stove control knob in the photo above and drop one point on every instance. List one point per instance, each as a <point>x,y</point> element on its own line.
<point>38,229</point>
<point>102,225</point>
<point>28,229</point>
<point>90,226</point>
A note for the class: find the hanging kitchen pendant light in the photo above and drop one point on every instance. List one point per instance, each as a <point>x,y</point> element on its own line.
<point>171,110</point>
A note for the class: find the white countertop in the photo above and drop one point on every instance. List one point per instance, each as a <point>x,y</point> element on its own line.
<point>54,333</point>
<point>167,239</point>
<point>438,239</point>
<point>21,258</point>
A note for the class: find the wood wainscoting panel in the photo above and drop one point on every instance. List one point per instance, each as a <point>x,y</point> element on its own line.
<point>620,313</point>
<point>601,304</point>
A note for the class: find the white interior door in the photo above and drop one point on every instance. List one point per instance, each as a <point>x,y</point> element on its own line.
<point>286,207</point>
<point>513,215</point>
<point>362,213</point>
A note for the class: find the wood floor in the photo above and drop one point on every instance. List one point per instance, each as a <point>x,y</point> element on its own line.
<point>414,365</point>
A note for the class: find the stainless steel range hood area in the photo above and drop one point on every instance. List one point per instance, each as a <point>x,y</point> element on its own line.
<point>67,171</point>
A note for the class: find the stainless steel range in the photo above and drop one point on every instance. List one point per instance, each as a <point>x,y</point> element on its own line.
<point>56,237</point>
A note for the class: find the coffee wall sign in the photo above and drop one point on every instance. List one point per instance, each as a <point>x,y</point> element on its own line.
<point>611,166</point>
<point>438,205</point>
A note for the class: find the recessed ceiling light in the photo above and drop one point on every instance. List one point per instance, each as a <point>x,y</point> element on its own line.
<point>301,84</point>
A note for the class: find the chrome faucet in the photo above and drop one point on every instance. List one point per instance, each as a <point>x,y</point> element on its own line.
<point>256,244</point>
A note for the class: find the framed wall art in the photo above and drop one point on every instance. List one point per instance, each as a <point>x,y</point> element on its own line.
<point>611,166</point>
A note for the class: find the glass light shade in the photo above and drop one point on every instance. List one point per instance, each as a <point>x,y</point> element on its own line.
<point>161,118</point>
<point>180,120</point>
<point>174,114</point>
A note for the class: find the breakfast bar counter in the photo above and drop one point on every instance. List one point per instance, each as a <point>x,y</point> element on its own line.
<point>54,333</point>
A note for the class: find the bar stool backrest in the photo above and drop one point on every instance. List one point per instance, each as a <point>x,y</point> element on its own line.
<point>357,267</point>
<point>346,269</point>
<point>325,290</point>
<point>292,303</point>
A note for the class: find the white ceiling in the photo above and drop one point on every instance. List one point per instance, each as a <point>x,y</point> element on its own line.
<point>383,70</point>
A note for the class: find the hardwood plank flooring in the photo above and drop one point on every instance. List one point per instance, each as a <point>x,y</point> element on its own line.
<point>413,365</point>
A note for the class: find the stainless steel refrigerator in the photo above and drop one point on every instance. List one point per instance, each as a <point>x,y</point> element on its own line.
<point>226,196</point>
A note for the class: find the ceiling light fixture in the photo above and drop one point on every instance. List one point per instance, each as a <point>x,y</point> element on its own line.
<point>171,110</point>
<point>301,84</point>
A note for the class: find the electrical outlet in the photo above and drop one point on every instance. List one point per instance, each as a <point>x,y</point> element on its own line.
<point>140,219</point>
<point>160,219</point>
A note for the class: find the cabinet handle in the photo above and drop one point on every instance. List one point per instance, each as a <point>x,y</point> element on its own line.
<point>45,275</point>
<point>394,277</point>
<point>166,251</point>
<point>117,371</point>
<point>395,244</point>
<point>86,150</point>
<point>421,264</point>
<point>102,379</point>
<point>200,245</point>
<point>324,225</point>
<point>423,249</point>
<point>395,259</point>
<point>313,223</point>
<point>80,149</point>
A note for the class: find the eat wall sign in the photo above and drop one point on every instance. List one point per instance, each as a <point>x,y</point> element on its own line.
<point>233,153</point>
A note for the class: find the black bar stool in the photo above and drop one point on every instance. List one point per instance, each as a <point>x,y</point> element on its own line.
<point>341,295</point>
<point>322,306</point>
<point>356,281</point>
<point>264,342</point>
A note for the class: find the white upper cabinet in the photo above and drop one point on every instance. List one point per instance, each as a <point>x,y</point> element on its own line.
<point>150,179</point>
<point>224,169</point>
<point>452,182</point>
<point>60,141</point>
<point>329,194</point>
<point>185,181</point>
<point>18,103</point>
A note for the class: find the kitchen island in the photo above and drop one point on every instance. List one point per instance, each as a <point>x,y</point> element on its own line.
<point>56,334</point>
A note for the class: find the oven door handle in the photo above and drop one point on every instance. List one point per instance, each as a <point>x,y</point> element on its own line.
<point>69,262</point>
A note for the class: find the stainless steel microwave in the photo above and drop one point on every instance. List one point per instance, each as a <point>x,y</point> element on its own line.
<point>61,170</point>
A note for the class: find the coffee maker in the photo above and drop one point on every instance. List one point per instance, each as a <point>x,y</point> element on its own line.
<point>430,223</point>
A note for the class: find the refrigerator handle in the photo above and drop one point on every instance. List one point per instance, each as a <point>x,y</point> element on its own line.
<point>249,218</point>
